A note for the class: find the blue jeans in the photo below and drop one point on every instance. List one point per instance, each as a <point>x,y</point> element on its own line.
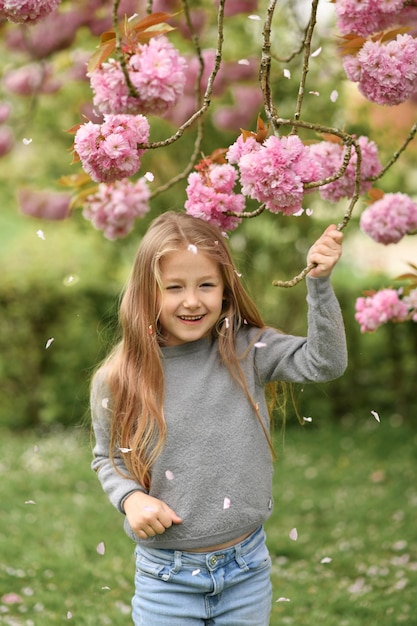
<point>229,587</point>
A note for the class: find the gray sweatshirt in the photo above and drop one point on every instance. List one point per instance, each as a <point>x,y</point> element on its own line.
<point>215,470</point>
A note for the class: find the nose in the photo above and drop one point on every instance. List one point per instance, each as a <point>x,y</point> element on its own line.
<point>191,300</point>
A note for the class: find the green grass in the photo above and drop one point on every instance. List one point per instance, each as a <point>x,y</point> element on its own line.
<point>349,490</point>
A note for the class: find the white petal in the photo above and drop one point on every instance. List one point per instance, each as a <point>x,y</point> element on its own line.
<point>376,416</point>
<point>125,450</point>
<point>254,17</point>
<point>307,419</point>
<point>243,62</point>
<point>316,52</point>
<point>105,403</point>
<point>226,503</point>
<point>260,344</point>
<point>101,548</point>
<point>169,475</point>
<point>287,73</point>
<point>283,600</point>
<point>26,141</point>
<point>192,248</point>
<point>334,95</point>
<point>326,559</point>
<point>195,572</point>
<point>149,176</point>
<point>49,342</point>
<point>40,234</point>
<point>294,534</point>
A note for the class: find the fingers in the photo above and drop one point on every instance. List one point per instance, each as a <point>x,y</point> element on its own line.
<point>149,516</point>
<point>326,251</point>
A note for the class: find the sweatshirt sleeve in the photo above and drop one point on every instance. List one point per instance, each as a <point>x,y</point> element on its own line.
<point>319,357</point>
<point>116,485</point>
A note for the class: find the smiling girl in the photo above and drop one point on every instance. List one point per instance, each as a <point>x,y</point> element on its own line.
<point>182,427</point>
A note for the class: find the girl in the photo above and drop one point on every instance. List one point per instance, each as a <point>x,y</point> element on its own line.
<point>182,426</point>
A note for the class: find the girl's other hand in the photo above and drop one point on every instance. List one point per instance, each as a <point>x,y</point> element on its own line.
<point>148,516</point>
<point>326,252</point>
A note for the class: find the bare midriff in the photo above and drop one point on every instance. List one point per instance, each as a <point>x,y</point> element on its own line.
<point>221,546</point>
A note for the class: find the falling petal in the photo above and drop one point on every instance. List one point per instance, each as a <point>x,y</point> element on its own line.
<point>309,212</point>
<point>316,52</point>
<point>169,475</point>
<point>70,280</point>
<point>30,502</point>
<point>226,503</point>
<point>105,403</point>
<point>287,73</point>
<point>260,344</point>
<point>149,177</point>
<point>254,17</point>
<point>226,322</point>
<point>283,600</point>
<point>298,213</point>
<point>243,62</point>
<point>106,588</point>
<point>195,572</point>
<point>237,274</point>
<point>125,450</point>
<point>101,548</point>
<point>49,342</point>
<point>307,419</point>
<point>69,615</point>
<point>293,534</point>
<point>132,17</point>
<point>334,95</point>
<point>192,248</point>
<point>40,234</point>
<point>26,141</point>
<point>326,559</point>
<point>376,416</point>
<point>314,93</point>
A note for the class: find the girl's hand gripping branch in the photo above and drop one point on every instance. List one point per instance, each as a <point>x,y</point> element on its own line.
<point>326,252</point>
<point>148,516</point>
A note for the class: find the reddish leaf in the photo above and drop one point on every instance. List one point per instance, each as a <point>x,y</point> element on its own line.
<point>102,54</point>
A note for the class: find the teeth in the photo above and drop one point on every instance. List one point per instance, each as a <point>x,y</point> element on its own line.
<point>191,317</point>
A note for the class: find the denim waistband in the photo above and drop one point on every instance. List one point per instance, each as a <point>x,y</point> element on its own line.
<point>210,560</point>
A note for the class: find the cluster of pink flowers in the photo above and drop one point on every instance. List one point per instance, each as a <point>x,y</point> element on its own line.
<point>275,171</point>
<point>115,206</point>
<point>383,306</point>
<point>31,79</point>
<point>210,195</point>
<point>386,73</point>
<point>109,151</point>
<point>6,133</point>
<point>364,18</point>
<point>27,11</point>
<point>389,219</point>
<point>156,71</point>
<point>330,157</point>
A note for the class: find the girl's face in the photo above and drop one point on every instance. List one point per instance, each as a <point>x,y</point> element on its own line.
<point>192,296</point>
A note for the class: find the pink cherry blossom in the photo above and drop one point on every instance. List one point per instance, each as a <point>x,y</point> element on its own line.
<point>330,156</point>
<point>366,17</point>
<point>27,11</point>
<point>156,71</point>
<point>109,151</point>
<point>389,219</point>
<point>210,195</point>
<point>386,73</point>
<point>43,204</point>
<point>31,79</point>
<point>276,172</point>
<point>384,306</point>
<point>114,207</point>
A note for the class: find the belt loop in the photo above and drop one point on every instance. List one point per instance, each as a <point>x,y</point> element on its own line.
<point>177,561</point>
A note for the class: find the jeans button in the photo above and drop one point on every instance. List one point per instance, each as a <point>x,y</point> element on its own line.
<point>213,560</point>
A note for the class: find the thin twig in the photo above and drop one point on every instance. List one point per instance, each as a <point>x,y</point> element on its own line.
<point>306,59</point>
<point>396,154</point>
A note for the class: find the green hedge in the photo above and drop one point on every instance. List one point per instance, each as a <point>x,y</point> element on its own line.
<point>41,386</point>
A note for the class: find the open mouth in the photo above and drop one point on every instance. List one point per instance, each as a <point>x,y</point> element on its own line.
<point>191,318</point>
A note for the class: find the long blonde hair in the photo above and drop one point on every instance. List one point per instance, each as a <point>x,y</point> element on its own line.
<point>133,370</point>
